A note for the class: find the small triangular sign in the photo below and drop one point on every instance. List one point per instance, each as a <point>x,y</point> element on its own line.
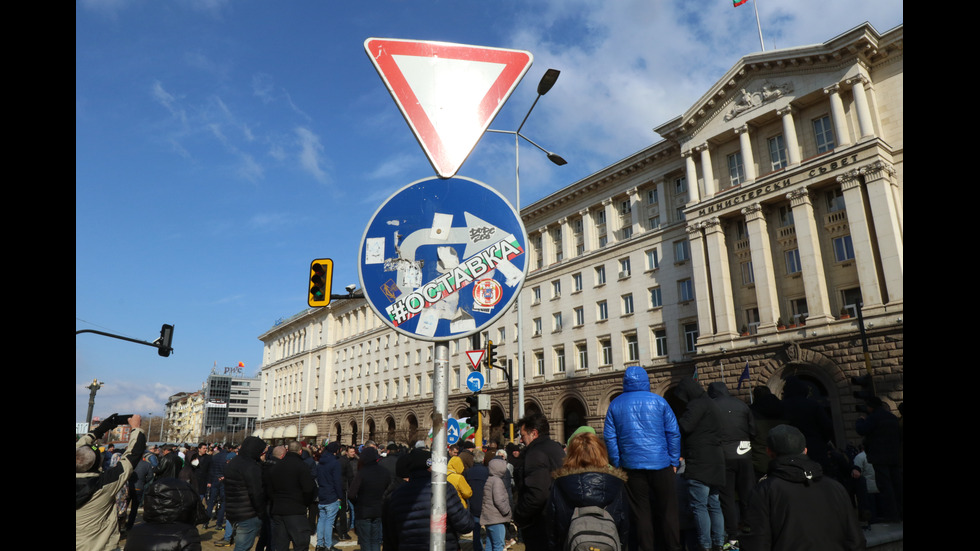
<point>448,93</point>
<point>476,357</point>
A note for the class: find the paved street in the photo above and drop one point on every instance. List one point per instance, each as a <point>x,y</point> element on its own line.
<point>211,536</point>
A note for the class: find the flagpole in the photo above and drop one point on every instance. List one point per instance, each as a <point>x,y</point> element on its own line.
<point>755,3</point>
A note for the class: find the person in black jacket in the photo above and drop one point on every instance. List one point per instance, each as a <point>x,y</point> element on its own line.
<point>366,493</point>
<point>883,443</point>
<point>330,490</point>
<point>586,479</point>
<point>795,507</point>
<point>270,460</point>
<point>704,460</point>
<point>202,469</point>
<point>737,431</point>
<point>406,516</point>
<point>293,489</point>
<point>245,496</point>
<point>170,462</point>
<point>476,476</point>
<point>542,456</point>
<point>172,510</point>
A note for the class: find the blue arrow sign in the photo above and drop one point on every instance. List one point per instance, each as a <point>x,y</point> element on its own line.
<point>443,258</point>
<point>452,431</point>
<point>474,381</point>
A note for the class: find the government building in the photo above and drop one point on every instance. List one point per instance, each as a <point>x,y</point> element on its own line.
<point>752,237</point>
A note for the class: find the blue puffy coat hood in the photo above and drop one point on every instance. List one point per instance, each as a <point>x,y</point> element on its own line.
<point>636,379</point>
<point>640,429</point>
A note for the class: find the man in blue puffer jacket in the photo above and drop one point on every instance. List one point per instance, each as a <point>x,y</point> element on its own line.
<point>642,437</point>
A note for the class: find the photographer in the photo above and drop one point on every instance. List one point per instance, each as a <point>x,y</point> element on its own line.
<point>96,522</point>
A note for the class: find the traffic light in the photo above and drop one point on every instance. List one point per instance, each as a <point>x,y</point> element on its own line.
<point>166,339</point>
<point>491,356</point>
<point>472,406</point>
<point>866,384</point>
<point>321,274</point>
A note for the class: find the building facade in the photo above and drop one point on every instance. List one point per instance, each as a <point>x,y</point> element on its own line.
<point>230,402</point>
<point>184,415</point>
<point>753,237</point>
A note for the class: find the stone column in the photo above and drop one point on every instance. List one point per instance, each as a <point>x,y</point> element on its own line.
<point>635,206</point>
<point>702,294</point>
<point>762,266</point>
<point>692,180</point>
<point>588,232</point>
<point>789,135</point>
<point>864,250</point>
<point>707,171</point>
<point>748,159</point>
<point>878,178</point>
<point>567,246</point>
<point>811,261</point>
<point>662,200</point>
<point>865,120</point>
<point>607,205</point>
<point>723,303</point>
<point>837,115</point>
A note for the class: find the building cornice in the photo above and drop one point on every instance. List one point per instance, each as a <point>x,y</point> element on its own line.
<point>862,44</point>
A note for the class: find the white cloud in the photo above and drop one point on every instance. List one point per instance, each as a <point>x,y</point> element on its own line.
<point>168,101</point>
<point>311,153</point>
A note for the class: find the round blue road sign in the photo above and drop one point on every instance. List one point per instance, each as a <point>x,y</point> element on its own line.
<point>443,258</point>
<point>474,381</point>
<point>452,431</point>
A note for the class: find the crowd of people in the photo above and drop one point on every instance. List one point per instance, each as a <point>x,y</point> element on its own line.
<point>717,474</point>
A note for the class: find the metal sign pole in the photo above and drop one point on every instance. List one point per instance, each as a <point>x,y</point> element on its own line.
<point>440,460</point>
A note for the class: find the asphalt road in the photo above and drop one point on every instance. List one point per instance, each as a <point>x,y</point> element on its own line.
<point>211,536</point>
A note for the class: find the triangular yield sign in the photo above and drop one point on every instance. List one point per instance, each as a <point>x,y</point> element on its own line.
<point>448,93</point>
<point>476,357</point>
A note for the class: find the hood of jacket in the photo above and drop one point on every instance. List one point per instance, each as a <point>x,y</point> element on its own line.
<point>636,379</point>
<point>86,484</point>
<point>718,390</point>
<point>170,500</point>
<point>252,448</point>
<point>455,466</point>
<point>590,485</point>
<point>369,456</point>
<point>798,469</point>
<point>689,389</point>
<point>497,467</point>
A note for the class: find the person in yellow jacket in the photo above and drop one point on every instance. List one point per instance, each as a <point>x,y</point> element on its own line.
<point>454,475</point>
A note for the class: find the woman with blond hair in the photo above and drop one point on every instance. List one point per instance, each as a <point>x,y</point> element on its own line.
<point>586,479</point>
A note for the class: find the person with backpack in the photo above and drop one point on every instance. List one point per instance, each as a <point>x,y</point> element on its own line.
<point>589,508</point>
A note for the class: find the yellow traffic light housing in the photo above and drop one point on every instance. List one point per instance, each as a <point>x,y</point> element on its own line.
<point>491,355</point>
<point>321,275</point>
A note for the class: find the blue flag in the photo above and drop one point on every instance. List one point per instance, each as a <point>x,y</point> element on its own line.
<point>744,376</point>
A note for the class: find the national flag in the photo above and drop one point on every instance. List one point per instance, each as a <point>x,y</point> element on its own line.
<point>738,3</point>
<point>744,376</point>
<point>695,376</point>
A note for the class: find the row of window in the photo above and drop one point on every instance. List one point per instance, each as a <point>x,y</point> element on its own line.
<point>823,133</point>
<point>599,220</point>
<point>685,291</point>
<point>631,350</point>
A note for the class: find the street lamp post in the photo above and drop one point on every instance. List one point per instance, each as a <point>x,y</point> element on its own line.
<point>93,388</point>
<point>545,84</point>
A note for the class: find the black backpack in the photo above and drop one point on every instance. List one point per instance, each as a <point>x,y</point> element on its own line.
<point>592,529</point>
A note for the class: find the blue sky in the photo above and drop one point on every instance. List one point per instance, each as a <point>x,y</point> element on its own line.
<point>220,146</point>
